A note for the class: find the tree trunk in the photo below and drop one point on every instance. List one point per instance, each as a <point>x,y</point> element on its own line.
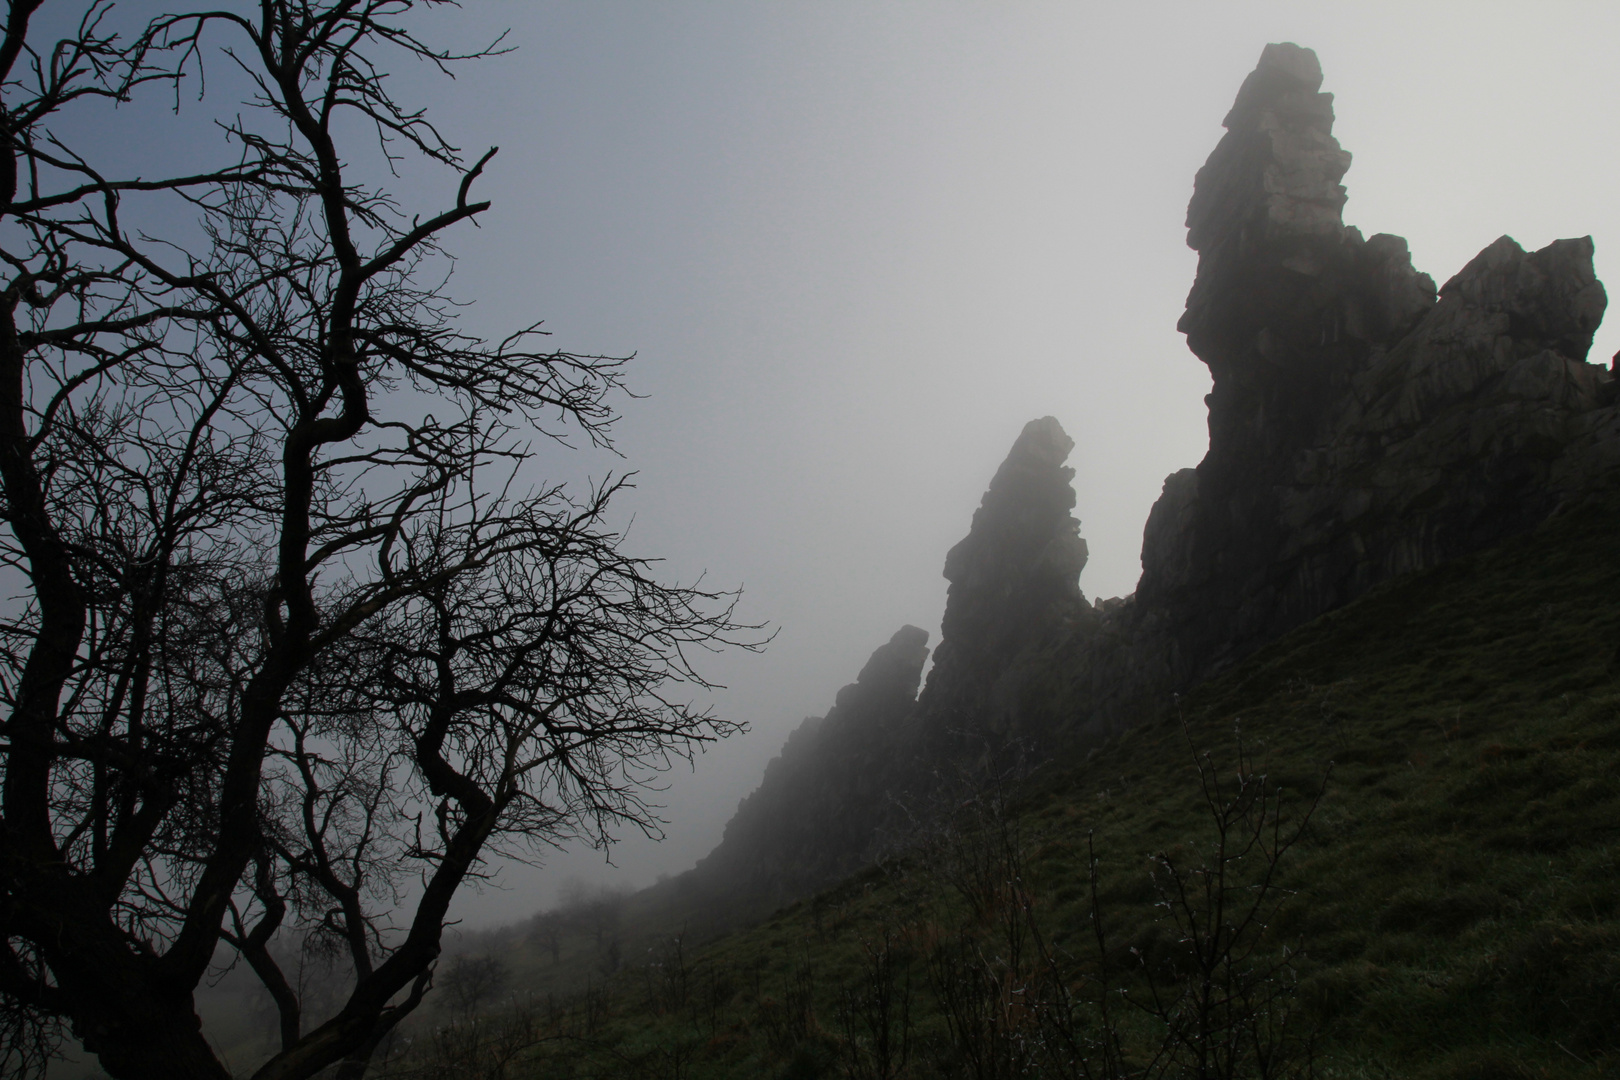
<point>139,1024</point>
<point>134,1029</point>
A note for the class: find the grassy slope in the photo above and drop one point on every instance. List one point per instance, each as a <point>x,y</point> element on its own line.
<point>1459,896</point>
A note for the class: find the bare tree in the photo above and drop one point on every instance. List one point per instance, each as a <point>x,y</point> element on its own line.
<point>473,982</point>
<point>294,650</point>
<point>546,932</point>
<point>1226,996</point>
<point>594,909</point>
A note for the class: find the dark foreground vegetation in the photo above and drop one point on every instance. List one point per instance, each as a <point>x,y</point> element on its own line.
<point>1420,798</point>
<point>296,636</point>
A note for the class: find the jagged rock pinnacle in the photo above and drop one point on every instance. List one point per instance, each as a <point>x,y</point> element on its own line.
<point>1277,171</point>
<point>1015,575</point>
<point>1362,424</point>
<point>894,669</point>
<point>1024,549</point>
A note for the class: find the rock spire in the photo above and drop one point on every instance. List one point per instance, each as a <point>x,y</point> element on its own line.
<point>1014,579</point>
<point>1362,423</point>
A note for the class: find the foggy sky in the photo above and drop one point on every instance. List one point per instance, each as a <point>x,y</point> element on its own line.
<point>856,246</point>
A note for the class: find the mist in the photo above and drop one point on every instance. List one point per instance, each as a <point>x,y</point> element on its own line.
<point>855,247</point>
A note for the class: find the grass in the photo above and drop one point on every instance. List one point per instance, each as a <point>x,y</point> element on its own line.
<point>1455,899</point>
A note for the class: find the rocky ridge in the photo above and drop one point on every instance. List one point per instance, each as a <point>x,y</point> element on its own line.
<point>810,821</point>
<point>1363,424</point>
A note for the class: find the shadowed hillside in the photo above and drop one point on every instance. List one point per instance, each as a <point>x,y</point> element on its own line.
<point>1336,791</point>
<point>1449,911</point>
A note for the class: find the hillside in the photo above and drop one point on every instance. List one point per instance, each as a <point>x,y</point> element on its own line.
<point>1451,910</point>
<point>1347,758</point>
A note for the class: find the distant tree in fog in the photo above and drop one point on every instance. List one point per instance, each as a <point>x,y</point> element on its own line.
<point>546,932</point>
<point>471,982</point>
<point>594,909</point>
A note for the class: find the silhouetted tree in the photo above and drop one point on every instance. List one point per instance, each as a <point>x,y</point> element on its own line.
<point>595,910</point>
<point>473,982</point>
<point>293,647</point>
<point>546,932</point>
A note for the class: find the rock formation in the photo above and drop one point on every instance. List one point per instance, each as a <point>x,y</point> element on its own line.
<point>845,780</point>
<point>810,822</point>
<point>1362,425</point>
<point>1014,582</point>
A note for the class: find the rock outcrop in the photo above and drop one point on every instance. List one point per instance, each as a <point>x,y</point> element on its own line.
<point>1363,424</point>
<point>1014,582</point>
<point>811,820</point>
<point>845,781</point>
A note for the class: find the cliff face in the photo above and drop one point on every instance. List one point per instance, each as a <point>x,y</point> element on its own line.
<point>1362,424</point>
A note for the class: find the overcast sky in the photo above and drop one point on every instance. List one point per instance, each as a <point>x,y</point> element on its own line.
<point>856,246</point>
